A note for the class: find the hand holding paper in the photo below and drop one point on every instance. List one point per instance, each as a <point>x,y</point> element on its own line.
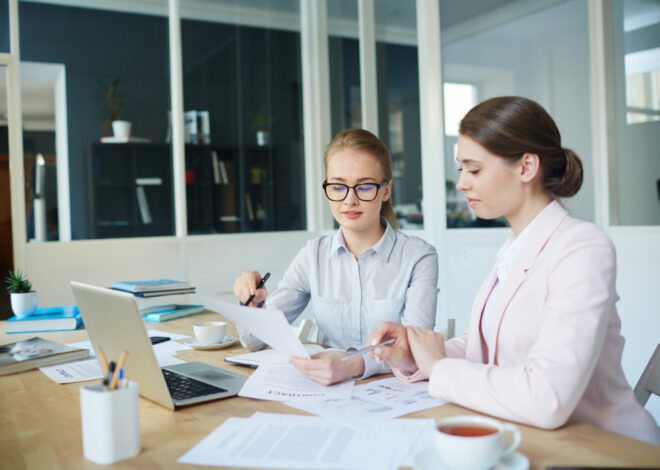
<point>268,325</point>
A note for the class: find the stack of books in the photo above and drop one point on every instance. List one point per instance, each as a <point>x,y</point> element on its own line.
<point>36,352</point>
<point>161,299</point>
<point>62,318</point>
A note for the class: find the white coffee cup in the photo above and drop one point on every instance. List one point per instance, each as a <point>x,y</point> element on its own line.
<point>210,332</point>
<point>473,442</point>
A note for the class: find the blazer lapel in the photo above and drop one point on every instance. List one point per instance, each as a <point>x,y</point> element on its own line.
<point>474,349</point>
<point>544,226</point>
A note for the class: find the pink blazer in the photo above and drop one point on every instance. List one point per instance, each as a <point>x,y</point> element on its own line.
<point>556,331</point>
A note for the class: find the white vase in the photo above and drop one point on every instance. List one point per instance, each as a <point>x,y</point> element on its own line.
<point>24,304</point>
<point>121,128</point>
<point>263,138</point>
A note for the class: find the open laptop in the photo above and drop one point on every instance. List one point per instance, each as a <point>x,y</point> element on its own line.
<point>114,323</point>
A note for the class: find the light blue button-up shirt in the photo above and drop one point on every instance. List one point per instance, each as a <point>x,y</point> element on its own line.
<point>394,280</point>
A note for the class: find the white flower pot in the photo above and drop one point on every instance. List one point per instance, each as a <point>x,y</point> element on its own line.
<point>263,138</point>
<point>121,128</point>
<point>24,304</point>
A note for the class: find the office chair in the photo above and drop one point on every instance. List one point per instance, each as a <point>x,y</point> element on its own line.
<point>649,382</point>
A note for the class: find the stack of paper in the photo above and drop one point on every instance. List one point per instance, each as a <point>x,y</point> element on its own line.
<point>297,442</point>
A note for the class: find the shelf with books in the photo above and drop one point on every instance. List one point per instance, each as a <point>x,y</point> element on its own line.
<point>130,182</point>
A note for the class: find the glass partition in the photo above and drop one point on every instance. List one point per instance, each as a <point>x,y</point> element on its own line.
<point>344,65</point>
<point>243,118</point>
<point>398,105</point>
<point>4,25</point>
<point>635,199</point>
<point>540,52</point>
<point>115,67</point>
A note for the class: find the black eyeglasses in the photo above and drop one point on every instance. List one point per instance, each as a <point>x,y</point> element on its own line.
<point>363,191</point>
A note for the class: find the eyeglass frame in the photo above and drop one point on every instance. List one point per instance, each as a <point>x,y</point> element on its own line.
<point>354,188</point>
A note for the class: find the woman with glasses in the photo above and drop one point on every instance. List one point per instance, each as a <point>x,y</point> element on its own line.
<point>364,274</point>
<point>543,344</point>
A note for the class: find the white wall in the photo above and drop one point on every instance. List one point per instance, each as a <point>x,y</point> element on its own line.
<point>211,263</point>
<point>638,285</point>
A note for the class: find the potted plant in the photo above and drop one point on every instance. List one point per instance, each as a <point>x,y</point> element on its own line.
<point>261,123</point>
<point>23,298</point>
<point>111,110</point>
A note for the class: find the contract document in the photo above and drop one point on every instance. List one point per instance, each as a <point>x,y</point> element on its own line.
<point>307,442</point>
<point>269,325</point>
<point>374,401</point>
<point>280,381</point>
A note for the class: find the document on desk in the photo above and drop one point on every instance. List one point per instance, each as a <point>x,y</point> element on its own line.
<point>89,369</point>
<point>269,325</point>
<point>378,400</point>
<point>280,381</point>
<point>256,358</point>
<point>295,442</point>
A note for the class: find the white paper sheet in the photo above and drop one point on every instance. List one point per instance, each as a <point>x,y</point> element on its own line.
<point>269,325</point>
<point>378,400</point>
<point>90,369</point>
<point>256,358</point>
<point>296,442</point>
<point>280,381</point>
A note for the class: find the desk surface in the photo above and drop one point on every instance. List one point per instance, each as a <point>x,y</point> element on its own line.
<point>40,421</point>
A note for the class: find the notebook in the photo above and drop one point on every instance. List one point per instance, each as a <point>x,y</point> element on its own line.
<point>114,323</point>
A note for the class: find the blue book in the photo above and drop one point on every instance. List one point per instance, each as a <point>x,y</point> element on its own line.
<point>170,312</point>
<point>63,318</point>
<point>157,285</point>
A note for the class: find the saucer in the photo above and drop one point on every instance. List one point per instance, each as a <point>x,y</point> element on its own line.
<point>429,459</point>
<point>193,343</point>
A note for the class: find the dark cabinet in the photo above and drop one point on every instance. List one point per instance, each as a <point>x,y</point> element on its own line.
<point>130,190</point>
<point>228,190</point>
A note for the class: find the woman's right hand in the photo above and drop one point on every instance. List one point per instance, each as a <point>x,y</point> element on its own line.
<point>246,285</point>
<point>396,355</point>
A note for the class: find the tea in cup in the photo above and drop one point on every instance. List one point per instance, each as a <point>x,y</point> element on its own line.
<point>474,442</point>
<point>210,332</point>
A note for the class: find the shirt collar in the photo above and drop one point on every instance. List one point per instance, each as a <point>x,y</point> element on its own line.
<point>382,248</point>
<point>506,254</point>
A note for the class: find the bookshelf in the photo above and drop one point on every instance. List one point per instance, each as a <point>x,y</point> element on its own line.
<point>228,190</point>
<point>129,190</point>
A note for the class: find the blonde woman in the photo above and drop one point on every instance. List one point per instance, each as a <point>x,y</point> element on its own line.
<point>364,274</point>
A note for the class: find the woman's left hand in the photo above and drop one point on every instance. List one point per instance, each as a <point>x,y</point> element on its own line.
<point>427,347</point>
<point>327,368</point>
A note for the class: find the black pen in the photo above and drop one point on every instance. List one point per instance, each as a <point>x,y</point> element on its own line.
<point>259,286</point>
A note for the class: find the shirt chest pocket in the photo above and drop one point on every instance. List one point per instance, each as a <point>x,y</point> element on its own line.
<point>329,315</point>
<point>382,310</point>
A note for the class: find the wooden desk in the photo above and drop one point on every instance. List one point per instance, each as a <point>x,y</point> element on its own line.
<point>40,421</point>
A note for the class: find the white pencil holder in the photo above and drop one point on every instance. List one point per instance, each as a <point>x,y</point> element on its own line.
<point>110,423</point>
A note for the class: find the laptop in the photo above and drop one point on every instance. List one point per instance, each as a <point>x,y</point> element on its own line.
<point>114,323</point>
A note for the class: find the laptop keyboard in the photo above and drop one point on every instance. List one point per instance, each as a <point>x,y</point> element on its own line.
<point>182,387</point>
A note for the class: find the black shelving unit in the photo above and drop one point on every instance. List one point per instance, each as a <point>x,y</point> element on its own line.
<point>130,190</point>
<point>227,190</point>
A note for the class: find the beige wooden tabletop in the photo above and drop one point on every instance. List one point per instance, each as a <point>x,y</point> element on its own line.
<point>40,421</point>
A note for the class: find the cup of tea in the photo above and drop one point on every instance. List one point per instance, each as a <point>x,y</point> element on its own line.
<point>474,442</point>
<point>210,332</point>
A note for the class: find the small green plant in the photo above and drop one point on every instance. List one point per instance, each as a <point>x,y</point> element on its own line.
<point>18,283</point>
<point>113,103</point>
<point>261,121</point>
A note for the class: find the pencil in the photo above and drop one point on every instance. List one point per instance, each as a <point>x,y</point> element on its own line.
<point>120,365</point>
<point>104,361</point>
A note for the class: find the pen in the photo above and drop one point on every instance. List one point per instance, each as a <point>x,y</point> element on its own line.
<point>104,361</point>
<point>259,286</point>
<point>111,372</point>
<point>120,365</point>
<point>362,351</point>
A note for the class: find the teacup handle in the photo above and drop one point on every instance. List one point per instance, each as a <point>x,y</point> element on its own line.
<point>515,438</point>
